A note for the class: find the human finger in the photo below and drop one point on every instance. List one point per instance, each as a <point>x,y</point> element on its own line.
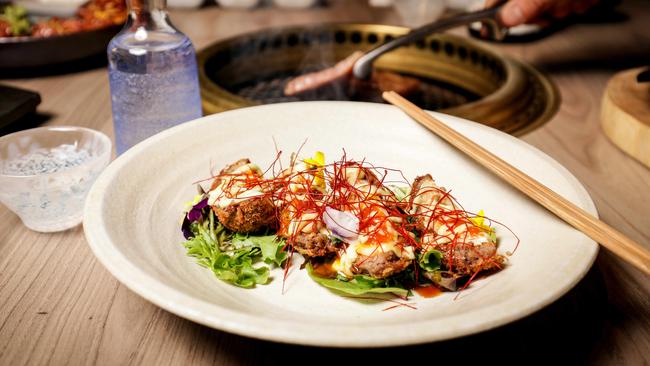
<point>516,12</point>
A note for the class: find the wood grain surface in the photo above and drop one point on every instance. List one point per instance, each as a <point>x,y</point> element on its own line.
<point>59,306</point>
<point>625,114</point>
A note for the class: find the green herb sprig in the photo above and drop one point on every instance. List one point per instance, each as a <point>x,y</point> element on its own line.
<point>16,16</point>
<point>239,259</point>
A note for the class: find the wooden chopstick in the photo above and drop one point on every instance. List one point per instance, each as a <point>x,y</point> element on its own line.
<point>626,248</point>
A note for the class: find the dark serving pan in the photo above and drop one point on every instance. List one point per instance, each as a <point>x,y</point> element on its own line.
<point>27,51</point>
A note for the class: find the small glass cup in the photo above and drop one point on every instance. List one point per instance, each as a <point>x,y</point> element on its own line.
<point>46,172</point>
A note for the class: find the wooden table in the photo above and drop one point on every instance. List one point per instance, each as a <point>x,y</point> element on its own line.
<point>58,305</point>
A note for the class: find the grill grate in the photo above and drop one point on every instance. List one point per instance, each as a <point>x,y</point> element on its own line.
<point>430,95</point>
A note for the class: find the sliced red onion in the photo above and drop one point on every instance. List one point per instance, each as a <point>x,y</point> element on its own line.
<point>343,225</point>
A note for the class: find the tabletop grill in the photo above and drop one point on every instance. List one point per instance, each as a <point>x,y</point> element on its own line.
<point>457,75</point>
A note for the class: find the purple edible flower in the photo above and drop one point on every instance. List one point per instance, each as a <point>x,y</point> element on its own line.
<point>197,210</point>
<point>193,215</point>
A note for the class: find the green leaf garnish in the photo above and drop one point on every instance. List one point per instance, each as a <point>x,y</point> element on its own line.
<point>270,245</point>
<point>358,285</point>
<point>234,258</point>
<point>16,16</point>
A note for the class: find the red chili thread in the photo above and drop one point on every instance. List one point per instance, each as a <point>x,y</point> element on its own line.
<point>295,193</point>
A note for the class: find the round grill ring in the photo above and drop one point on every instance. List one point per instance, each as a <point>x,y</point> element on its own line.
<point>458,76</point>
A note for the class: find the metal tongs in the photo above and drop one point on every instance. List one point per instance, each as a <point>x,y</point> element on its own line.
<point>359,64</point>
<point>490,18</point>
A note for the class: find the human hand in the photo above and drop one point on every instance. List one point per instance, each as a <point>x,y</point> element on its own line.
<point>516,12</point>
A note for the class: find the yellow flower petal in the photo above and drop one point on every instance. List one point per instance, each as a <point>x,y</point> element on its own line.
<point>318,162</point>
<point>479,220</point>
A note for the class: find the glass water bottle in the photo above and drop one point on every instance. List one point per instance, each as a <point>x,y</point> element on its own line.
<point>152,73</point>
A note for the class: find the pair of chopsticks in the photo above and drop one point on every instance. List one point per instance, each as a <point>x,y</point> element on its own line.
<point>624,247</point>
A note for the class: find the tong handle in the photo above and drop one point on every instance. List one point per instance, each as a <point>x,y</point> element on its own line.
<point>363,66</point>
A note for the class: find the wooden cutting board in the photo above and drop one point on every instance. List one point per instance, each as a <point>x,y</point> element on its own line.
<point>625,114</point>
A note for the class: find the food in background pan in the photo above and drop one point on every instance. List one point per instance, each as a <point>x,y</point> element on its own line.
<point>95,14</point>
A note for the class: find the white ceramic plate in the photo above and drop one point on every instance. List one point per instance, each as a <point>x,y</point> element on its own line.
<point>132,225</point>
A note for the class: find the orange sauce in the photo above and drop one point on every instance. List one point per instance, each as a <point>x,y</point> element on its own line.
<point>380,236</point>
<point>474,230</point>
<point>428,291</point>
<point>324,270</point>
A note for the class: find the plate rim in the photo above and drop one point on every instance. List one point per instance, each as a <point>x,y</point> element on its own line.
<point>179,303</point>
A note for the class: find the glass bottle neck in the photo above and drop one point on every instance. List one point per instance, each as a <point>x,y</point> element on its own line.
<point>148,14</point>
<point>146,5</point>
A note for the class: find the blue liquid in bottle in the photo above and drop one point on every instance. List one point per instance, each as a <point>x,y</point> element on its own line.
<point>152,74</point>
